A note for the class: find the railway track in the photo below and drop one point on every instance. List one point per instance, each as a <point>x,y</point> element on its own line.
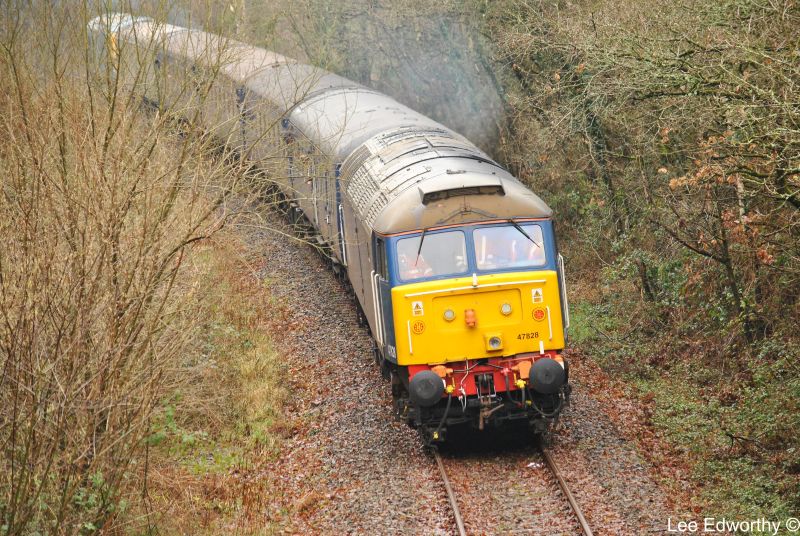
<point>451,496</point>
<point>551,464</point>
<point>552,467</point>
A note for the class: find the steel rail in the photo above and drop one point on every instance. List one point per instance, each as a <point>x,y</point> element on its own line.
<point>551,464</point>
<point>451,496</point>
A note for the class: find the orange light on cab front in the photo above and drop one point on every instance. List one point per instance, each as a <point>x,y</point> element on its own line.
<point>470,318</point>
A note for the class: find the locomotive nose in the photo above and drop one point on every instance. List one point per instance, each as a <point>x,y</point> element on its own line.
<point>547,376</point>
<point>425,388</point>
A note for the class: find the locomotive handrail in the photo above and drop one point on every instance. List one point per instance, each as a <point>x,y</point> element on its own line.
<point>564,290</point>
<point>344,238</point>
<point>408,330</point>
<point>374,305</point>
<point>380,307</point>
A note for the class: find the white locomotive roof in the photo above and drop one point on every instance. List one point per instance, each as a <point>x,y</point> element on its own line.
<point>334,112</point>
<point>237,60</point>
<point>411,179</point>
<point>285,85</point>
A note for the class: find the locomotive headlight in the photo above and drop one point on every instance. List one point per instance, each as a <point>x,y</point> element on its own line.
<point>449,315</point>
<point>506,309</point>
<point>495,343</point>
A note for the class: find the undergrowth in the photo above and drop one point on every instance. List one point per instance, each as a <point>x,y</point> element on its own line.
<point>214,438</point>
<point>735,425</point>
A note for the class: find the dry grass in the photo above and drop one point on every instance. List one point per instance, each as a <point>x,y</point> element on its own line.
<point>105,214</point>
<point>220,431</point>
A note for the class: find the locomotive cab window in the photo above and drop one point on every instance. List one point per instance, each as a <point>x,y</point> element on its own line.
<point>497,248</point>
<point>432,255</point>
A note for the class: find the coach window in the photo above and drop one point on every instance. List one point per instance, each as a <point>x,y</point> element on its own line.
<point>508,246</point>
<point>440,254</point>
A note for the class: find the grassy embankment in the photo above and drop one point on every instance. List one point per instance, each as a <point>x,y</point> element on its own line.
<point>665,138</point>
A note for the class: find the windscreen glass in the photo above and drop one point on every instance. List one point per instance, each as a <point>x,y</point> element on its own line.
<point>497,248</point>
<point>441,254</point>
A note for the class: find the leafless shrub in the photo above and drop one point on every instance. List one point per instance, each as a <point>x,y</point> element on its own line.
<point>99,207</point>
<point>675,125</point>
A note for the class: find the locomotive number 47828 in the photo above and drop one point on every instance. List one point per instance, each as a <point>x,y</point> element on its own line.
<point>530,335</point>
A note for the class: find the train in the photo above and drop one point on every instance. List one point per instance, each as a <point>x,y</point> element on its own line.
<point>454,263</point>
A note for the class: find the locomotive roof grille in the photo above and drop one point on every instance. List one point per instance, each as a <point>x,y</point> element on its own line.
<point>468,185</point>
<point>467,190</point>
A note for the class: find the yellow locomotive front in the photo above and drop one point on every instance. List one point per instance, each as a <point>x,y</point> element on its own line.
<point>476,323</point>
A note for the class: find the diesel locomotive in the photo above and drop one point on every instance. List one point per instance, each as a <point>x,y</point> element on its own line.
<point>453,261</point>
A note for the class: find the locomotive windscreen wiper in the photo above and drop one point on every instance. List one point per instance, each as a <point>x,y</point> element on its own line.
<point>521,230</point>
<point>419,249</point>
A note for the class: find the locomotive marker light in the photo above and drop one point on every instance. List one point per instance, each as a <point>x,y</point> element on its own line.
<point>470,318</point>
<point>506,309</point>
<point>493,342</point>
<point>449,315</point>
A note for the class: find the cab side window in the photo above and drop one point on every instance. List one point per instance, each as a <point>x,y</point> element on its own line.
<point>381,264</point>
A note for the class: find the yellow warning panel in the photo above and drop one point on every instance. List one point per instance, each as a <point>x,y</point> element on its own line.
<point>522,309</point>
